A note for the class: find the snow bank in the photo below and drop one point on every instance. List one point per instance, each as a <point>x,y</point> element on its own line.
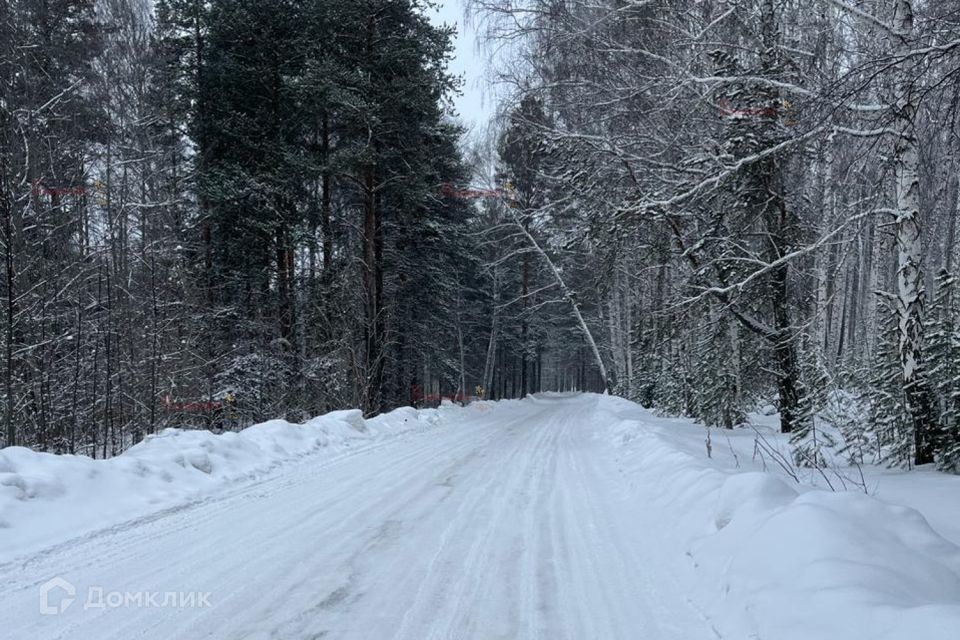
<point>46,498</point>
<point>782,561</point>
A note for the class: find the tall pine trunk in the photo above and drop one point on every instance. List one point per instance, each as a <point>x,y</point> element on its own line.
<point>373,285</point>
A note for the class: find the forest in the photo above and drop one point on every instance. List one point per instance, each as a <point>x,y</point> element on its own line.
<point>212,214</point>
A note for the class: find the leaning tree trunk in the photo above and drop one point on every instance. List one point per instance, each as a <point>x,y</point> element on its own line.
<point>569,296</point>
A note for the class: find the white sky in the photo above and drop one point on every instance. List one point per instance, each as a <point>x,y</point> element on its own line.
<point>476,105</point>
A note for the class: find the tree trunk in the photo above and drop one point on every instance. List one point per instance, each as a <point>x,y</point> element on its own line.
<point>525,290</point>
<point>568,295</point>
<point>325,225</point>
<point>373,283</point>
<point>910,291</point>
<point>491,360</point>
<point>5,202</point>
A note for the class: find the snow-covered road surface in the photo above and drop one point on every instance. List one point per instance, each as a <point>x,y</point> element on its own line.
<point>512,523</point>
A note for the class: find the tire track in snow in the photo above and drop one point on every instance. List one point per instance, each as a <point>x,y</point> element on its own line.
<point>506,526</point>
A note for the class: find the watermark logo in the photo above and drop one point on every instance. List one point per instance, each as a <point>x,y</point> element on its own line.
<point>40,189</point>
<point>53,589</point>
<point>448,190</point>
<point>57,594</point>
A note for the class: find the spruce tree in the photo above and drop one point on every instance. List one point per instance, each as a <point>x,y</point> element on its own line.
<point>720,397</point>
<point>943,358</point>
<point>810,439</point>
<point>889,420</point>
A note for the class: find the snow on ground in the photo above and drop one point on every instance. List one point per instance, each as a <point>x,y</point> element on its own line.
<point>46,498</point>
<point>774,558</point>
<point>509,522</point>
<point>577,517</point>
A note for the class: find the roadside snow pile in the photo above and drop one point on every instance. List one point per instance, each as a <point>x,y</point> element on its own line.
<point>785,561</point>
<point>46,498</point>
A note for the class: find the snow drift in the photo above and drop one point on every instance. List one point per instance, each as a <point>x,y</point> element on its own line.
<point>46,498</point>
<point>783,561</point>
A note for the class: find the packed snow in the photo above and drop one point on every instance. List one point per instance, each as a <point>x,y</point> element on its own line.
<point>46,498</point>
<point>559,516</point>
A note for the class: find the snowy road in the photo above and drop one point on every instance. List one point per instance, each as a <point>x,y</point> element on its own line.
<point>512,524</point>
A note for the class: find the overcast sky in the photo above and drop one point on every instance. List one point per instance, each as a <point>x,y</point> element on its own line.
<point>472,107</point>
